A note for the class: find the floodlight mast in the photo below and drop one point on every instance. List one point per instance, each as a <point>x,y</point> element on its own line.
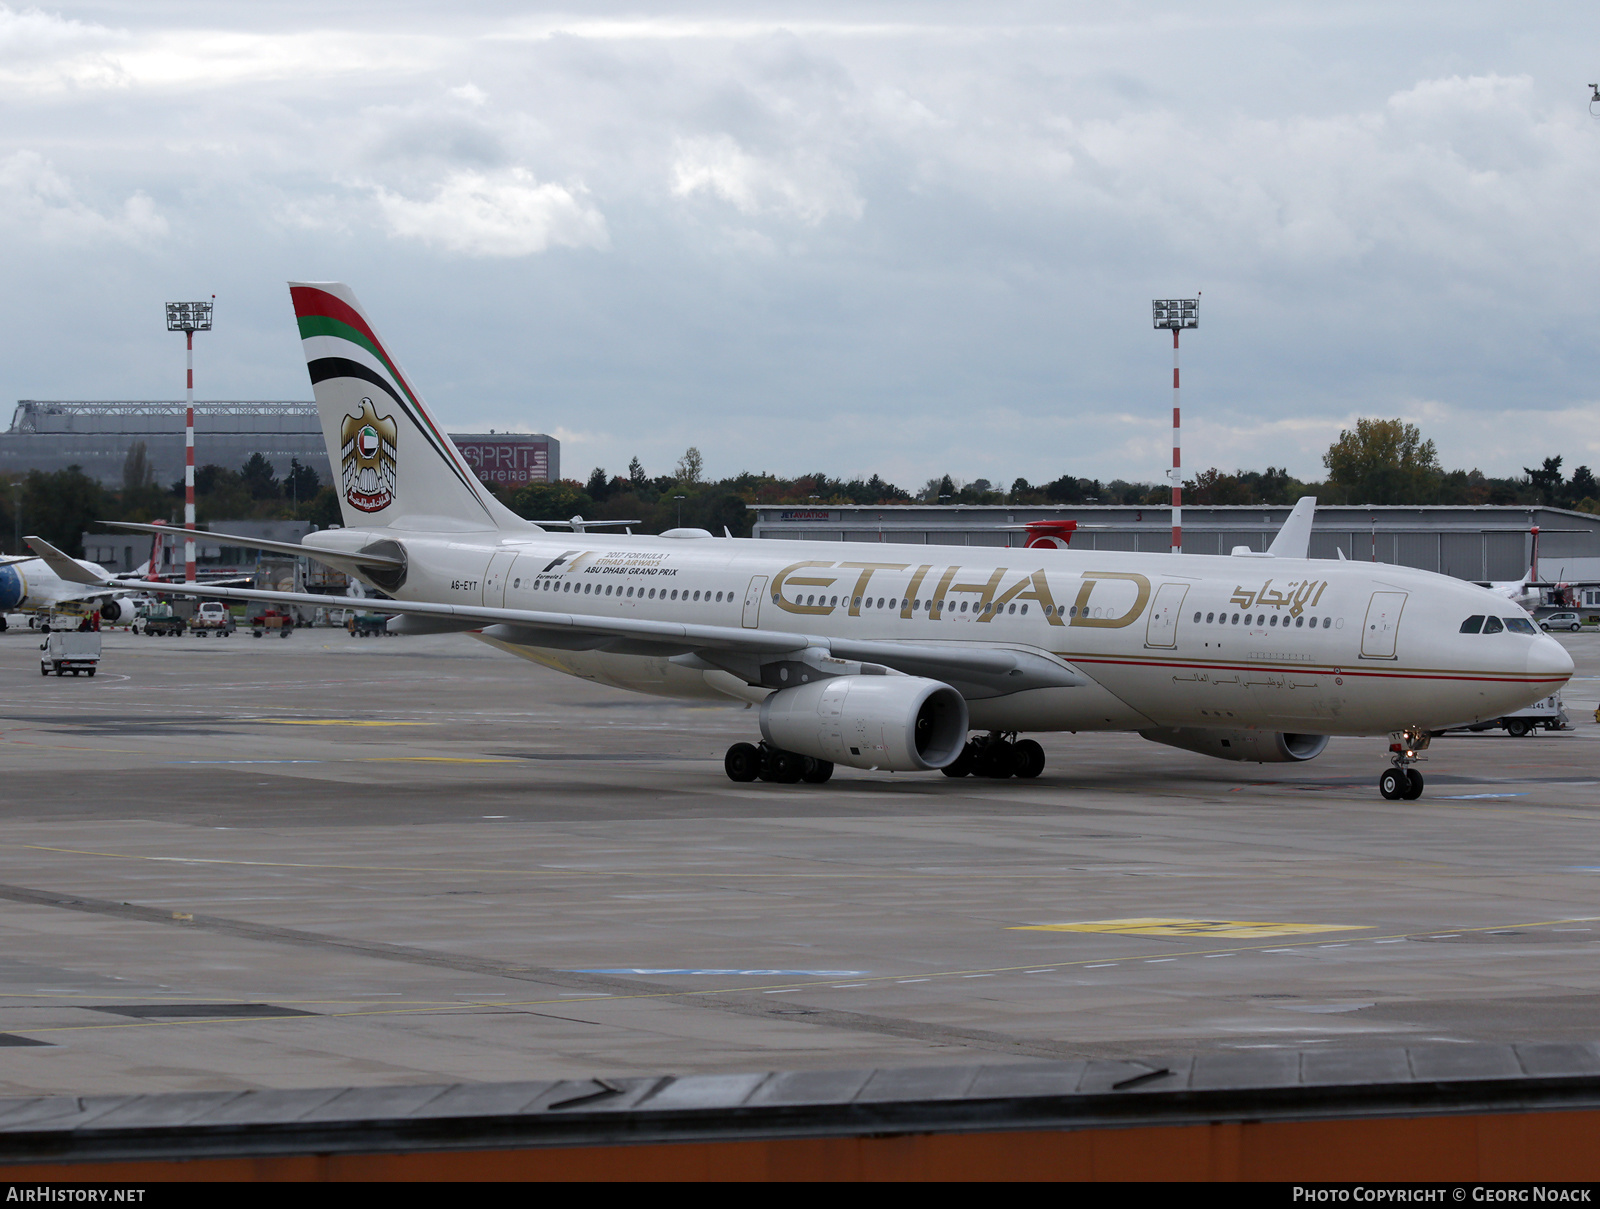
<point>189,318</point>
<point>1176,314</point>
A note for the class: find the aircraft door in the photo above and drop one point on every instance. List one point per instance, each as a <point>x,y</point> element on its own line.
<point>1382,625</point>
<point>752,602</point>
<point>1162,628</point>
<point>494,579</point>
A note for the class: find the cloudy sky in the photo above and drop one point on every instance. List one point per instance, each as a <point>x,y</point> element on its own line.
<point>910,239</point>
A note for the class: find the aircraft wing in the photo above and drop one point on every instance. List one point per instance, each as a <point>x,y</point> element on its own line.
<point>976,670</point>
<point>7,559</point>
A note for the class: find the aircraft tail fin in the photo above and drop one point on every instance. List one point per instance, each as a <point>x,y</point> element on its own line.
<point>390,458</point>
<point>1294,539</point>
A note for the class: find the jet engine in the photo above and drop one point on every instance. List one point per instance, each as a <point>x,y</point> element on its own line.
<point>117,612</point>
<point>899,723</point>
<point>1262,746</point>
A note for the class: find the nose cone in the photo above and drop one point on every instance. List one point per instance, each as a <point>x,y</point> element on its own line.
<point>1548,658</point>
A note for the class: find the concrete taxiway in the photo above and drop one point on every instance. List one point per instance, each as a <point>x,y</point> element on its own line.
<point>325,861</point>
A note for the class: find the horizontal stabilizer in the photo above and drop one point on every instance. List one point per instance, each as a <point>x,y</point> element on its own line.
<point>256,543</point>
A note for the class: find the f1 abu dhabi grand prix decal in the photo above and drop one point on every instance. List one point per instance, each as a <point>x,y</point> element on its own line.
<point>367,459</point>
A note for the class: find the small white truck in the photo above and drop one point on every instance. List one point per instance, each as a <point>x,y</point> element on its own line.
<point>212,617</point>
<point>1548,714</point>
<point>70,651</point>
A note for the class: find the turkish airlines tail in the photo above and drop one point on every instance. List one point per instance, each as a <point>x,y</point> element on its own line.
<point>390,459</point>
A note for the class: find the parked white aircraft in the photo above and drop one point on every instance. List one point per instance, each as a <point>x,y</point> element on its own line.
<point>32,585</point>
<point>42,587</point>
<point>887,656</point>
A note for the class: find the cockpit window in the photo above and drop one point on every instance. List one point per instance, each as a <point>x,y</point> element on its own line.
<point>1520,625</point>
<point>1492,626</point>
<point>1472,624</point>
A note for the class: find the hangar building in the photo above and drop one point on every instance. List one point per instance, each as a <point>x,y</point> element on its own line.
<point>52,435</point>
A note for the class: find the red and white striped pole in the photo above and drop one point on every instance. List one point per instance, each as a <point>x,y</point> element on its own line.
<point>1176,313</point>
<point>189,462</point>
<point>1177,456</point>
<point>189,318</point>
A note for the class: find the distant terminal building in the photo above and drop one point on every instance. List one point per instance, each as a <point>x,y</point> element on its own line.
<point>1485,543</point>
<point>97,436</point>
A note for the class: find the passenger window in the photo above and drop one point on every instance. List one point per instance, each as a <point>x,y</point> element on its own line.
<point>1492,626</point>
<point>1520,625</point>
<point>1473,624</point>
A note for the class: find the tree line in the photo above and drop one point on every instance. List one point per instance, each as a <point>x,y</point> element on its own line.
<point>1376,462</point>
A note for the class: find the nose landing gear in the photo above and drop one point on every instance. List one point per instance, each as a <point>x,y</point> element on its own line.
<point>1402,781</point>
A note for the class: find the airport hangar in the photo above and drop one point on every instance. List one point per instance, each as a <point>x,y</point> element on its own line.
<point>1479,543</point>
<point>97,436</point>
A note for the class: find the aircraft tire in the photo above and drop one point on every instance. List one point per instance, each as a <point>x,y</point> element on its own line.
<point>962,765</point>
<point>1413,789</point>
<point>1393,784</point>
<point>999,761</point>
<point>1032,762</point>
<point>787,768</point>
<point>742,763</point>
<point>817,772</point>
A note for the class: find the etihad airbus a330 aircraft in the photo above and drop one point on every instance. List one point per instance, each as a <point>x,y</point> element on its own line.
<point>892,656</point>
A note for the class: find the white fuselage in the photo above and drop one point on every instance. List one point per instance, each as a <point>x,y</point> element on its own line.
<point>1309,646</point>
<point>31,586</point>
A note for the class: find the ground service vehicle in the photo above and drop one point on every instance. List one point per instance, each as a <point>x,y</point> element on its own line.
<point>70,651</point>
<point>272,621</point>
<point>212,617</point>
<point>163,621</point>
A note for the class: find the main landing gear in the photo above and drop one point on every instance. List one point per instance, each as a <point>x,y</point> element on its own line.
<point>1401,780</point>
<point>994,755</point>
<point>749,762</point>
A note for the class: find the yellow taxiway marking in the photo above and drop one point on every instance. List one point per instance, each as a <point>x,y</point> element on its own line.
<point>432,1006</point>
<point>1241,929</point>
<point>331,722</point>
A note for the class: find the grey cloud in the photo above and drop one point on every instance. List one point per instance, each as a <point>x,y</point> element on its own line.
<point>862,240</point>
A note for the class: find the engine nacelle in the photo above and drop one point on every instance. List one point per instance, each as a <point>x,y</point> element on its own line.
<point>117,612</point>
<point>899,723</point>
<point>1262,746</point>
